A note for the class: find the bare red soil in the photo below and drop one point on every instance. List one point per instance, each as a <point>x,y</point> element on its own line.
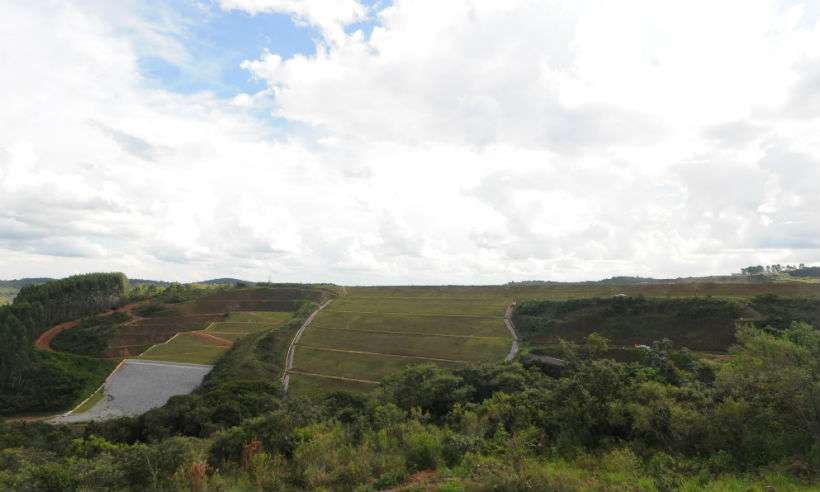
<point>44,340</point>
<point>219,341</point>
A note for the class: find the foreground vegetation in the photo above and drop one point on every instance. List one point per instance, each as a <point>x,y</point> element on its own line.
<point>657,424</point>
<point>666,419</point>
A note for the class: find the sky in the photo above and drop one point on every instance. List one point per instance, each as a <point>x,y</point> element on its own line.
<point>408,141</point>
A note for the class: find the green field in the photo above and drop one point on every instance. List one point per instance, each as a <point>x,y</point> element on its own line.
<point>352,365</point>
<point>373,332</point>
<point>185,347</point>
<point>308,385</point>
<point>433,346</point>
<point>416,324</point>
<point>421,306</point>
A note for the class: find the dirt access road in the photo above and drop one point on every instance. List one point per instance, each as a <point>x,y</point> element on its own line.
<point>44,340</point>
<point>508,322</point>
<point>292,347</point>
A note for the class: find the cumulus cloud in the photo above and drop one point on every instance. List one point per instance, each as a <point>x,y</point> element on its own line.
<point>331,16</point>
<point>461,141</point>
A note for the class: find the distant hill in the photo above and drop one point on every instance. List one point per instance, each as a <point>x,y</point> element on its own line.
<point>225,281</point>
<point>628,280</point>
<point>141,281</point>
<point>23,282</point>
<point>9,288</point>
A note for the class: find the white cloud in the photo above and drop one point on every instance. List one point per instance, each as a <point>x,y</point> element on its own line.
<point>461,141</point>
<point>331,16</point>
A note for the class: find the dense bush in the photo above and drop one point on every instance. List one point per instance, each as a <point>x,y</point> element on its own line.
<point>91,336</point>
<point>76,296</point>
<point>780,312</point>
<point>697,323</point>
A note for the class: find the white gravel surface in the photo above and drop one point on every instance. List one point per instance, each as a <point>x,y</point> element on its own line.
<point>140,385</point>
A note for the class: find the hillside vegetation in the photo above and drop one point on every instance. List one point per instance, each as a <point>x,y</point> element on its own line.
<point>668,420</point>
<point>32,380</point>
<point>371,332</point>
<point>696,323</point>
<point>598,426</point>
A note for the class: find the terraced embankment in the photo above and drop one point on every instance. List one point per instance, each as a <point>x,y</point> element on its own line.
<point>179,344</point>
<point>362,337</point>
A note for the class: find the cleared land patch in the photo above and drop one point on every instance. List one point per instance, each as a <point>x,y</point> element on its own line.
<point>138,386</point>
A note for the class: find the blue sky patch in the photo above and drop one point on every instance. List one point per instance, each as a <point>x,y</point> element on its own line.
<point>218,42</point>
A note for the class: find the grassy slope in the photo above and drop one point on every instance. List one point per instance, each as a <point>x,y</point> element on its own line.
<point>419,311</point>
<point>349,365</point>
<point>259,316</point>
<point>461,349</point>
<point>458,324</point>
<point>240,327</point>
<point>185,347</point>
<point>452,325</point>
<point>421,306</point>
<point>306,385</point>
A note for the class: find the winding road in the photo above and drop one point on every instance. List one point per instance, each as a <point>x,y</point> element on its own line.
<point>511,327</point>
<point>292,347</point>
<point>44,340</point>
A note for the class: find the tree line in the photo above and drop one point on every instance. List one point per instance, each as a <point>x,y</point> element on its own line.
<point>771,269</point>
<point>657,424</point>
<point>27,374</point>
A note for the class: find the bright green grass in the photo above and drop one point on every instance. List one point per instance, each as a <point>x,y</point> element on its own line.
<point>91,401</point>
<point>420,306</point>
<point>460,349</point>
<point>306,385</point>
<point>259,316</point>
<point>448,325</point>
<point>356,366</point>
<point>185,347</point>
